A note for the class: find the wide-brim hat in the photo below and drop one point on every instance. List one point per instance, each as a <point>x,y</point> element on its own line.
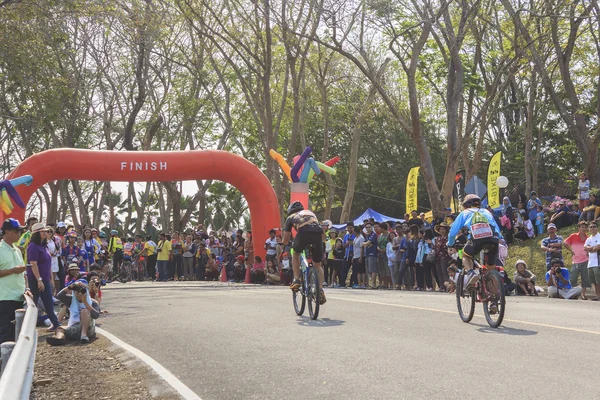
<point>39,227</point>
<point>73,266</point>
<point>442,225</point>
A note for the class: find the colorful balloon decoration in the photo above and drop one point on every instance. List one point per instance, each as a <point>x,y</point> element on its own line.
<point>8,193</point>
<point>305,167</point>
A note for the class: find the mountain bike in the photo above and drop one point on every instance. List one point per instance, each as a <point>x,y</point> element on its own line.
<point>488,290</point>
<point>309,289</point>
<point>125,270</point>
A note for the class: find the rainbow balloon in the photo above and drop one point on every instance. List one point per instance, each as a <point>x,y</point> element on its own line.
<point>8,193</point>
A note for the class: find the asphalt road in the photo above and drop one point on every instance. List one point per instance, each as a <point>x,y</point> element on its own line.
<point>245,342</point>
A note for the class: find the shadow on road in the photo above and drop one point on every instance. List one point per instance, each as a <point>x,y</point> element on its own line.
<point>320,323</point>
<point>504,331</point>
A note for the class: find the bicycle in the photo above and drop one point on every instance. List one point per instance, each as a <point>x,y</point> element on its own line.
<point>124,274</point>
<point>484,293</point>
<point>311,291</point>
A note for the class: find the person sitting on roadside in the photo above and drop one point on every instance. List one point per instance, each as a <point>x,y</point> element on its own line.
<point>211,272</point>
<point>592,210</point>
<point>239,269</point>
<point>83,311</point>
<point>272,273</point>
<point>558,281</point>
<point>257,274</point>
<point>525,279</point>
<point>453,273</point>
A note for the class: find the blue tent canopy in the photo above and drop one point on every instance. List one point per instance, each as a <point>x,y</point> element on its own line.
<point>369,213</point>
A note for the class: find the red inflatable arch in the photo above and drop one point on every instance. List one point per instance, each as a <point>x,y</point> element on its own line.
<point>156,166</point>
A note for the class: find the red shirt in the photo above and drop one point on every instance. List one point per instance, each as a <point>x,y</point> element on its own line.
<point>576,243</point>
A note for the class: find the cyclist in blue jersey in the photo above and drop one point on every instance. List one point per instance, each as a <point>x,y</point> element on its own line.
<point>484,233</point>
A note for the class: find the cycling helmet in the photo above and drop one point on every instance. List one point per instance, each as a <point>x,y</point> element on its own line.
<point>471,200</point>
<point>327,223</point>
<point>295,207</point>
<point>102,234</point>
<point>114,232</point>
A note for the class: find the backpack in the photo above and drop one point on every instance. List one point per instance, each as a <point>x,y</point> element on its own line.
<point>480,226</point>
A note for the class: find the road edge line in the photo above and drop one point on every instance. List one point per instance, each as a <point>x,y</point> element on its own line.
<point>184,391</point>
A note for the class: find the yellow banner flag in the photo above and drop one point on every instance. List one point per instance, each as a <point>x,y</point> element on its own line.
<point>493,174</point>
<point>411,190</point>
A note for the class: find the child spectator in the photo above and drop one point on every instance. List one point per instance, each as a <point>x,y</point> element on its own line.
<point>287,275</point>
<point>83,257</point>
<point>453,273</point>
<point>524,279</point>
<point>391,256</point>
<point>539,220</point>
<point>239,269</point>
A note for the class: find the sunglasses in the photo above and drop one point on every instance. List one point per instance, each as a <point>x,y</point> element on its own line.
<point>593,226</point>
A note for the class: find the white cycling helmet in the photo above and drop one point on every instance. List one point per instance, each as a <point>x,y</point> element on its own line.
<point>327,223</point>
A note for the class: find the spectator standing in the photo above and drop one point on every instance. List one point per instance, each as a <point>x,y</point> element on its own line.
<point>584,191</point>
<point>115,247</point>
<point>532,205</point>
<point>23,242</point>
<point>177,253</point>
<point>539,220</point>
<point>55,251</point>
<point>271,246</point>
<point>415,220</point>
<point>592,246</point>
<point>82,259</point>
<point>423,264</point>
<point>559,285</point>
<point>163,248</point>
<point>358,260</point>
<point>188,258</point>
<point>348,242</point>
<point>248,249</point>
<point>287,275</point>
<point>399,246</point>
<point>407,268</point>
<point>337,263</point>
<point>507,220</point>
<point>552,245</point>
<point>575,243</point>
<point>382,261</point>
<point>149,251</point>
<point>370,251</point>
<point>13,280</point>
<point>39,275</point>
<point>89,244</point>
<point>391,256</point>
<point>442,258</point>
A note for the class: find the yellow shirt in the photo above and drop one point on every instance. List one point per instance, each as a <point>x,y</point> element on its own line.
<point>163,254</point>
<point>114,244</point>
<point>150,248</point>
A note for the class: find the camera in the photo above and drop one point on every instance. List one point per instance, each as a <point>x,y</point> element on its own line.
<point>78,288</point>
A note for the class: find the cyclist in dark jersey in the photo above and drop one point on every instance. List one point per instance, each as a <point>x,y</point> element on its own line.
<point>308,232</point>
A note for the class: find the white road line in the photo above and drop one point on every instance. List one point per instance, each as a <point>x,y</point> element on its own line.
<point>184,391</point>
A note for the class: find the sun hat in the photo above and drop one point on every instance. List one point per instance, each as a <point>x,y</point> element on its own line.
<point>39,227</point>
<point>73,266</point>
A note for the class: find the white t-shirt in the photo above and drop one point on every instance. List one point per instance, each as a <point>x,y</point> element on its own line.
<point>271,242</point>
<point>53,253</point>
<point>584,190</point>
<point>593,241</point>
<point>357,245</point>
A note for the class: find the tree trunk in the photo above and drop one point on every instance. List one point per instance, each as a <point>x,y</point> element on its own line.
<point>354,146</point>
<point>529,131</point>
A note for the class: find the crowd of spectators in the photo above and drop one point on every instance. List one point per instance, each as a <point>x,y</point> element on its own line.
<point>59,266</point>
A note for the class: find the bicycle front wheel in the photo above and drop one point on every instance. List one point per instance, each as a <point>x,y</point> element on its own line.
<point>314,294</point>
<point>494,307</point>
<point>125,272</point>
<point>465,300</point>
<point>299,297</point>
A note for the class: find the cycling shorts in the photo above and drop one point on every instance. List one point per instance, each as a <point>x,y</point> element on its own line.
<point>304,239</point>
<point>473,247</point>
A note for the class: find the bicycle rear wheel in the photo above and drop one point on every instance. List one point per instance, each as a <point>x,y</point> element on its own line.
<point>496,304</point>
<point>465,300</point>
<point>299,298</point>
<point>125,272</point>
<point>314,294</point>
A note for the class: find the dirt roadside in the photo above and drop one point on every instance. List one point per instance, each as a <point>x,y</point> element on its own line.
<point>98,370</point>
